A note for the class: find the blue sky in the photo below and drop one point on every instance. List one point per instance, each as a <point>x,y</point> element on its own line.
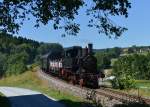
<point>138,24</point>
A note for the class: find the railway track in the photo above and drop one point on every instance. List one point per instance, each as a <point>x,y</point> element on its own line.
<point>111,94</point>
<point>122,97</point>
<point>127,97</point>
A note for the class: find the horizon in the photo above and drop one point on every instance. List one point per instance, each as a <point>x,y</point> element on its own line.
<point>82,46</point>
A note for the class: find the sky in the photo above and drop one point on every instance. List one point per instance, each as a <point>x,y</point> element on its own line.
<point>138,24</point>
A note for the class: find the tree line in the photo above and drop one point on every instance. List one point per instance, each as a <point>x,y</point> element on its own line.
<point>105,56</point>
<point>17,52</point>
<point>127,67</point>
<point>131,67</point>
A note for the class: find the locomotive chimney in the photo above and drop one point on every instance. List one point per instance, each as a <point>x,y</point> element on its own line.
<point>90,48</point>
<point>80,52</point>
<point>85,51</point>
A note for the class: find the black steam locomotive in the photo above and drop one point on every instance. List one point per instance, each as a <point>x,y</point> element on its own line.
<point>75,64</point>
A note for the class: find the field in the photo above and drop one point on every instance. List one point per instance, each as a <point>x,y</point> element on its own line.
<point>30,80</point>
<point>143,83</point>
<point>144,87</point>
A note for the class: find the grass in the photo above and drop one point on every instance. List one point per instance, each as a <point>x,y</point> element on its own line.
<point>143,83</point>
<point>4,102</point>
<point>31,81</point>
<point>143,88</point>
<point>138,92</point>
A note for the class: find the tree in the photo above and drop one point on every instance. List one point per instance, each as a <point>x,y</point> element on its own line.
<point>130,50</point>
<point>116,51</point>
<point>64,11</point>
<point>123,73</point>
<point>29,49</point>
<point>140,66</point>
<point>16,63</point>
<point>15,69</point>
<point>47,47</point>
<point>103,60</point>
<point>3,59</point>
<point>128,68</point>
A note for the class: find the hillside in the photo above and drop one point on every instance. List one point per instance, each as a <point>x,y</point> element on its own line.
<point>8,43</point>
<point>17,52</point>
<point>127,50</point>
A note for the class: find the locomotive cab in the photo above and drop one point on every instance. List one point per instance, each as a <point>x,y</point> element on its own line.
<point>70,60</point>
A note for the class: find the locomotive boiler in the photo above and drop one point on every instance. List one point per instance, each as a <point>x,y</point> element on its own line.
<point>75,64</point>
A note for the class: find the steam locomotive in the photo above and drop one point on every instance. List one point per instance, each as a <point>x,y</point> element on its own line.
<point>75,64</point>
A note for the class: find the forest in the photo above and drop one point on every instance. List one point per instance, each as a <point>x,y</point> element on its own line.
<point>17,53</point>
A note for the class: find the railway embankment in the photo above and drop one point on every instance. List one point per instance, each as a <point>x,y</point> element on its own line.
<point>83,93</point>
<point>107,97</point>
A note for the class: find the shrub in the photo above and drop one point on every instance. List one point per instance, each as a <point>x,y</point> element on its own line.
<point>15,69</point>
<point>123,82</point>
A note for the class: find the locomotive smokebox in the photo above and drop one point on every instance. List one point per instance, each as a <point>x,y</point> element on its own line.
<point>90,48</point>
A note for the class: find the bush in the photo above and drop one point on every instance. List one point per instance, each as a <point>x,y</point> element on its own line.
<point>15,69</point>
<point>33,67</point>
<point>124,82</point>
